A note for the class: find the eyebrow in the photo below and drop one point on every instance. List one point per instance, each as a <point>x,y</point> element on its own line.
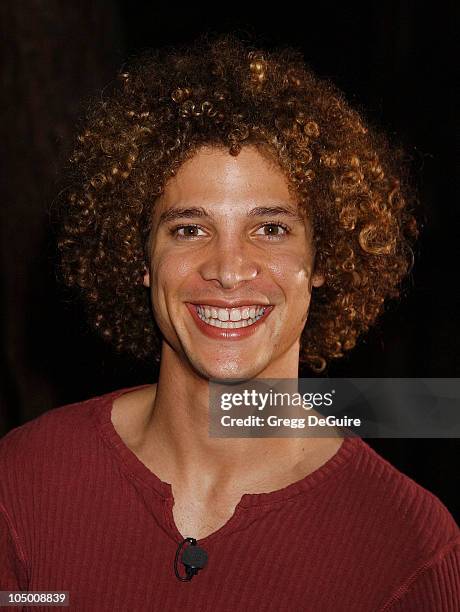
<point>259,211</point>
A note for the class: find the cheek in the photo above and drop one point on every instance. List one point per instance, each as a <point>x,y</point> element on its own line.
<point>169,269</point>
<point>293,274</point>
<point>168,274</point>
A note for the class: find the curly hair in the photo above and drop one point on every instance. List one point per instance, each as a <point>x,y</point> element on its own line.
<point>225,92</point>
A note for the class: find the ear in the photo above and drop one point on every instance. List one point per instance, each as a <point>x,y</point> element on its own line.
<point>146,279</point>
<point>317,279</point>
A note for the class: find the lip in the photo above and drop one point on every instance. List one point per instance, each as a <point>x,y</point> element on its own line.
<point>228,303</point>
<point>227,334</point>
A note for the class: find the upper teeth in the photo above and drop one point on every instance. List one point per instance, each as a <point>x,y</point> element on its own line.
<point>230,314</point>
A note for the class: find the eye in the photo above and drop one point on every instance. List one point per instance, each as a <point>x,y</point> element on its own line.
<point>184,232</point>
<point>270,230</point>
<point>273,230</point>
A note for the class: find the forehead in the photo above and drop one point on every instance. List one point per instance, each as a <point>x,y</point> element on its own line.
<point>213,176</point>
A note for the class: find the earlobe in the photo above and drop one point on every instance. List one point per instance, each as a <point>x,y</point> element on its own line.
<point>317,280</point>
<point>146,279</point>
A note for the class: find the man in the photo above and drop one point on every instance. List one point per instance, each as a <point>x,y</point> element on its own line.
<point>232,210</point>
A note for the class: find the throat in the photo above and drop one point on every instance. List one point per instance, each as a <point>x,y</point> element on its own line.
<point>199,518</point>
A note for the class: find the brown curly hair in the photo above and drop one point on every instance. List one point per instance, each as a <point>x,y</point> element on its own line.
<point>225,92</point>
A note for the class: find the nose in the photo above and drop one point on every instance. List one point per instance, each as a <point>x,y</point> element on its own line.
<point>230,262</point>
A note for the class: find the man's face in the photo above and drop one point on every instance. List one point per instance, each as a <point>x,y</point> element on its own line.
<point>231,265</point>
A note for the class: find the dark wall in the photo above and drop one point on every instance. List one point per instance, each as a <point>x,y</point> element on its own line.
<point>391,58</point>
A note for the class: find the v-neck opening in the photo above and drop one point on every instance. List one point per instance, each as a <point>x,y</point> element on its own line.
<point>143,475</point>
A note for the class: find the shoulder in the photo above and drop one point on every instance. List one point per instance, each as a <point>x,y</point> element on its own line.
<point>403,511</point>
<point>393,523</point>
<point>49,429</point>
<point>65,433</point>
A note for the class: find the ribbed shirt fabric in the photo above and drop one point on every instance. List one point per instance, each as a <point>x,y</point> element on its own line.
<point>79,512</point>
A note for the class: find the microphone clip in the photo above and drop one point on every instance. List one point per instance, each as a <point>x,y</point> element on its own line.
<point>193,558</point>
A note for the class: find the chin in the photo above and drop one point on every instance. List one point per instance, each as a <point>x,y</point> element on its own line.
<point>227,369</point>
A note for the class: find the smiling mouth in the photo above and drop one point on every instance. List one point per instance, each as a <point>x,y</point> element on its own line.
<point>230,318</point>
<point>229,323</point>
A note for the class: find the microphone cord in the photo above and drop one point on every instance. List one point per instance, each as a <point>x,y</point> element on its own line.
<point>176,571</point>
<point>192,562</point>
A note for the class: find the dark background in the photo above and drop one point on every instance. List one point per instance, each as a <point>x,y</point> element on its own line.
<point>390,58</point>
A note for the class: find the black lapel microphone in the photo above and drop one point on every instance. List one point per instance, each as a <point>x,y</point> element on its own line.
<point>193,558</point>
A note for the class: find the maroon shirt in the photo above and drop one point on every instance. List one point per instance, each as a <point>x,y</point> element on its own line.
<point>79,512</point>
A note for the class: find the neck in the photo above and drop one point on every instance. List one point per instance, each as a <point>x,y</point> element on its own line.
<point>177,427</point>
